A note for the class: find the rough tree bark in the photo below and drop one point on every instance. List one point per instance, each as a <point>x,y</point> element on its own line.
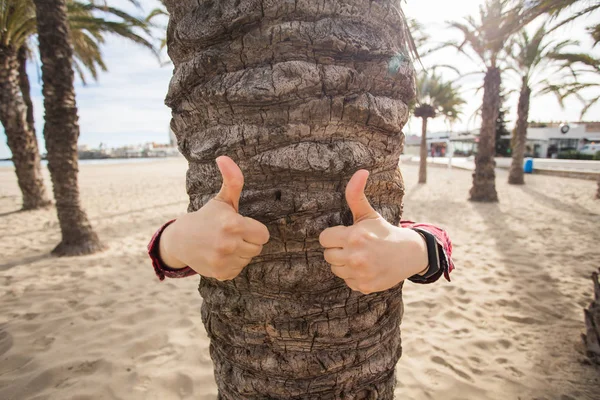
<point>484,177</point>
<point>26,87</point>
<point>598,191</point>
<point>61,129</point>
<point>516,175</point>
<point>19,136</point>
<point>301,94</point>
<point>423,160</point>
<point>591,338</point>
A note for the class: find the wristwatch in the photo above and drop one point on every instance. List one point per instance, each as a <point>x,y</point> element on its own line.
<point>433,255</point>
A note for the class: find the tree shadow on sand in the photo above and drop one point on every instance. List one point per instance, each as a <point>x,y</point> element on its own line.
<point>555,203</point>
<point>540,302</point>
<point>98,218</point>
<point>24,260</point>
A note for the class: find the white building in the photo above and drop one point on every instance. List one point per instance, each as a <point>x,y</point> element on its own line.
<point>544,140</point>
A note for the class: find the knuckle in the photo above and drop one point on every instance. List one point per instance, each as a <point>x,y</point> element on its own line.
<point>358,238</point>
<point>225,246</point>
<point>216,261</point>
<point>232,224</point>
<point>359,261</point>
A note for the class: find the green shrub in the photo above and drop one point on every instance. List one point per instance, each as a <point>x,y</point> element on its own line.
<point>575,155</point>
<point>597,156</point>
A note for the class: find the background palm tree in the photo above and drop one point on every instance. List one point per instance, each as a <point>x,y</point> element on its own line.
<point>538,62</point>
<point>61,129</point>
<point>585,65</point>
<point>89,24</point>
<point>483,41</point>
<point>300,95</point>
<point>555,8</point>
<point>17,19</point>
<point>434,98</point>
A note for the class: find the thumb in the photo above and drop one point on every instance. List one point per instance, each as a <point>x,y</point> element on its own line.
<point>355,196</point>
<point>233,182</point>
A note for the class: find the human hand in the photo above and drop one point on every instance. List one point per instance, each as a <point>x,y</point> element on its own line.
<point>215,241</point>
<point>372,255</point>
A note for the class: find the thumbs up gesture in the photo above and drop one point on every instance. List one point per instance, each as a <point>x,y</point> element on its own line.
<point>215,241</point>
<point>372,255</point>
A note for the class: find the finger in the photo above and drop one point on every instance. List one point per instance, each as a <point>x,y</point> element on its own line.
<point>334,237</point>
<point>248,250</point>
<point>340,271</point>
<point>356,199</point>
<point>233,182</point>
<point>255,232</point>
<point>335,256</point>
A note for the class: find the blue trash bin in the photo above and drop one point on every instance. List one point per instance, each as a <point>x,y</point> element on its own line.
<point>528,167</point>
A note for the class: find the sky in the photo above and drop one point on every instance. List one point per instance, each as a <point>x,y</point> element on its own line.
<point>126,105</point>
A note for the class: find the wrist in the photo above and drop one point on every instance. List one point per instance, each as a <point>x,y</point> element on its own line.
<point>165,251</point>
<point>420,255</point>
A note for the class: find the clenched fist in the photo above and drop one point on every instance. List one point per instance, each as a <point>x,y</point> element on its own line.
<point>372,255</point>
<point>215,241</point>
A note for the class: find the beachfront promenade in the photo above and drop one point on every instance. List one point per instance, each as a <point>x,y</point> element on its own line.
<point>574,168</point>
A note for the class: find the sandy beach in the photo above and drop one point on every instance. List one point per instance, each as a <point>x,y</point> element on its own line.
<point>103,327</point>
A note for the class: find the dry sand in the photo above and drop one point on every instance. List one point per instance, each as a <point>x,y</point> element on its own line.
<point>103,327</point>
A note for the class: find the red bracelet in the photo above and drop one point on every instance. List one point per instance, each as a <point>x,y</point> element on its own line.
<point>160,268</point>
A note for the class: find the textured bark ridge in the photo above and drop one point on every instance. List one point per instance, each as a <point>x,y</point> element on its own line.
<point>592,323</point>
<point>20,137</point>
<point>484,177</point>
<point>598,191</point>
<point>301,94</point>
<point>516,175</point>
<point>61,129</point>
<point>25,86</point>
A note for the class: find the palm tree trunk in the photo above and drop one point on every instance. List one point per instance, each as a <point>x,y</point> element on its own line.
<point>484,177</point>
<point>591,338</point>
<point>598,192</point>
<point>423,158</point>
<point>301,95</point>
<point>61,129</point>
<point>26,87</point>
<point>19,137</point>
<point>516,175</point>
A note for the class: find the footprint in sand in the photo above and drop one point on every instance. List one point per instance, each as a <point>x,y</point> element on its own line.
<point>443,362</point>
<point>521,320</point>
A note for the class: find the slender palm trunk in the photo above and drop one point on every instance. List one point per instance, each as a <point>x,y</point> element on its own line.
<point>19,137</point>
<point>61,129</point>
<point>301,95</point>
<point>423,160</point>
<point>26,87</point>
<point>517,175</point>
<point>484,177</point>
<point>598,191</point>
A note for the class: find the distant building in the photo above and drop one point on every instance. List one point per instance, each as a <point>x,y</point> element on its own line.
<point>544,140</point>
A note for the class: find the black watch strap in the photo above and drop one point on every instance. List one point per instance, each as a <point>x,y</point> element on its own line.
<point>432,255</point>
